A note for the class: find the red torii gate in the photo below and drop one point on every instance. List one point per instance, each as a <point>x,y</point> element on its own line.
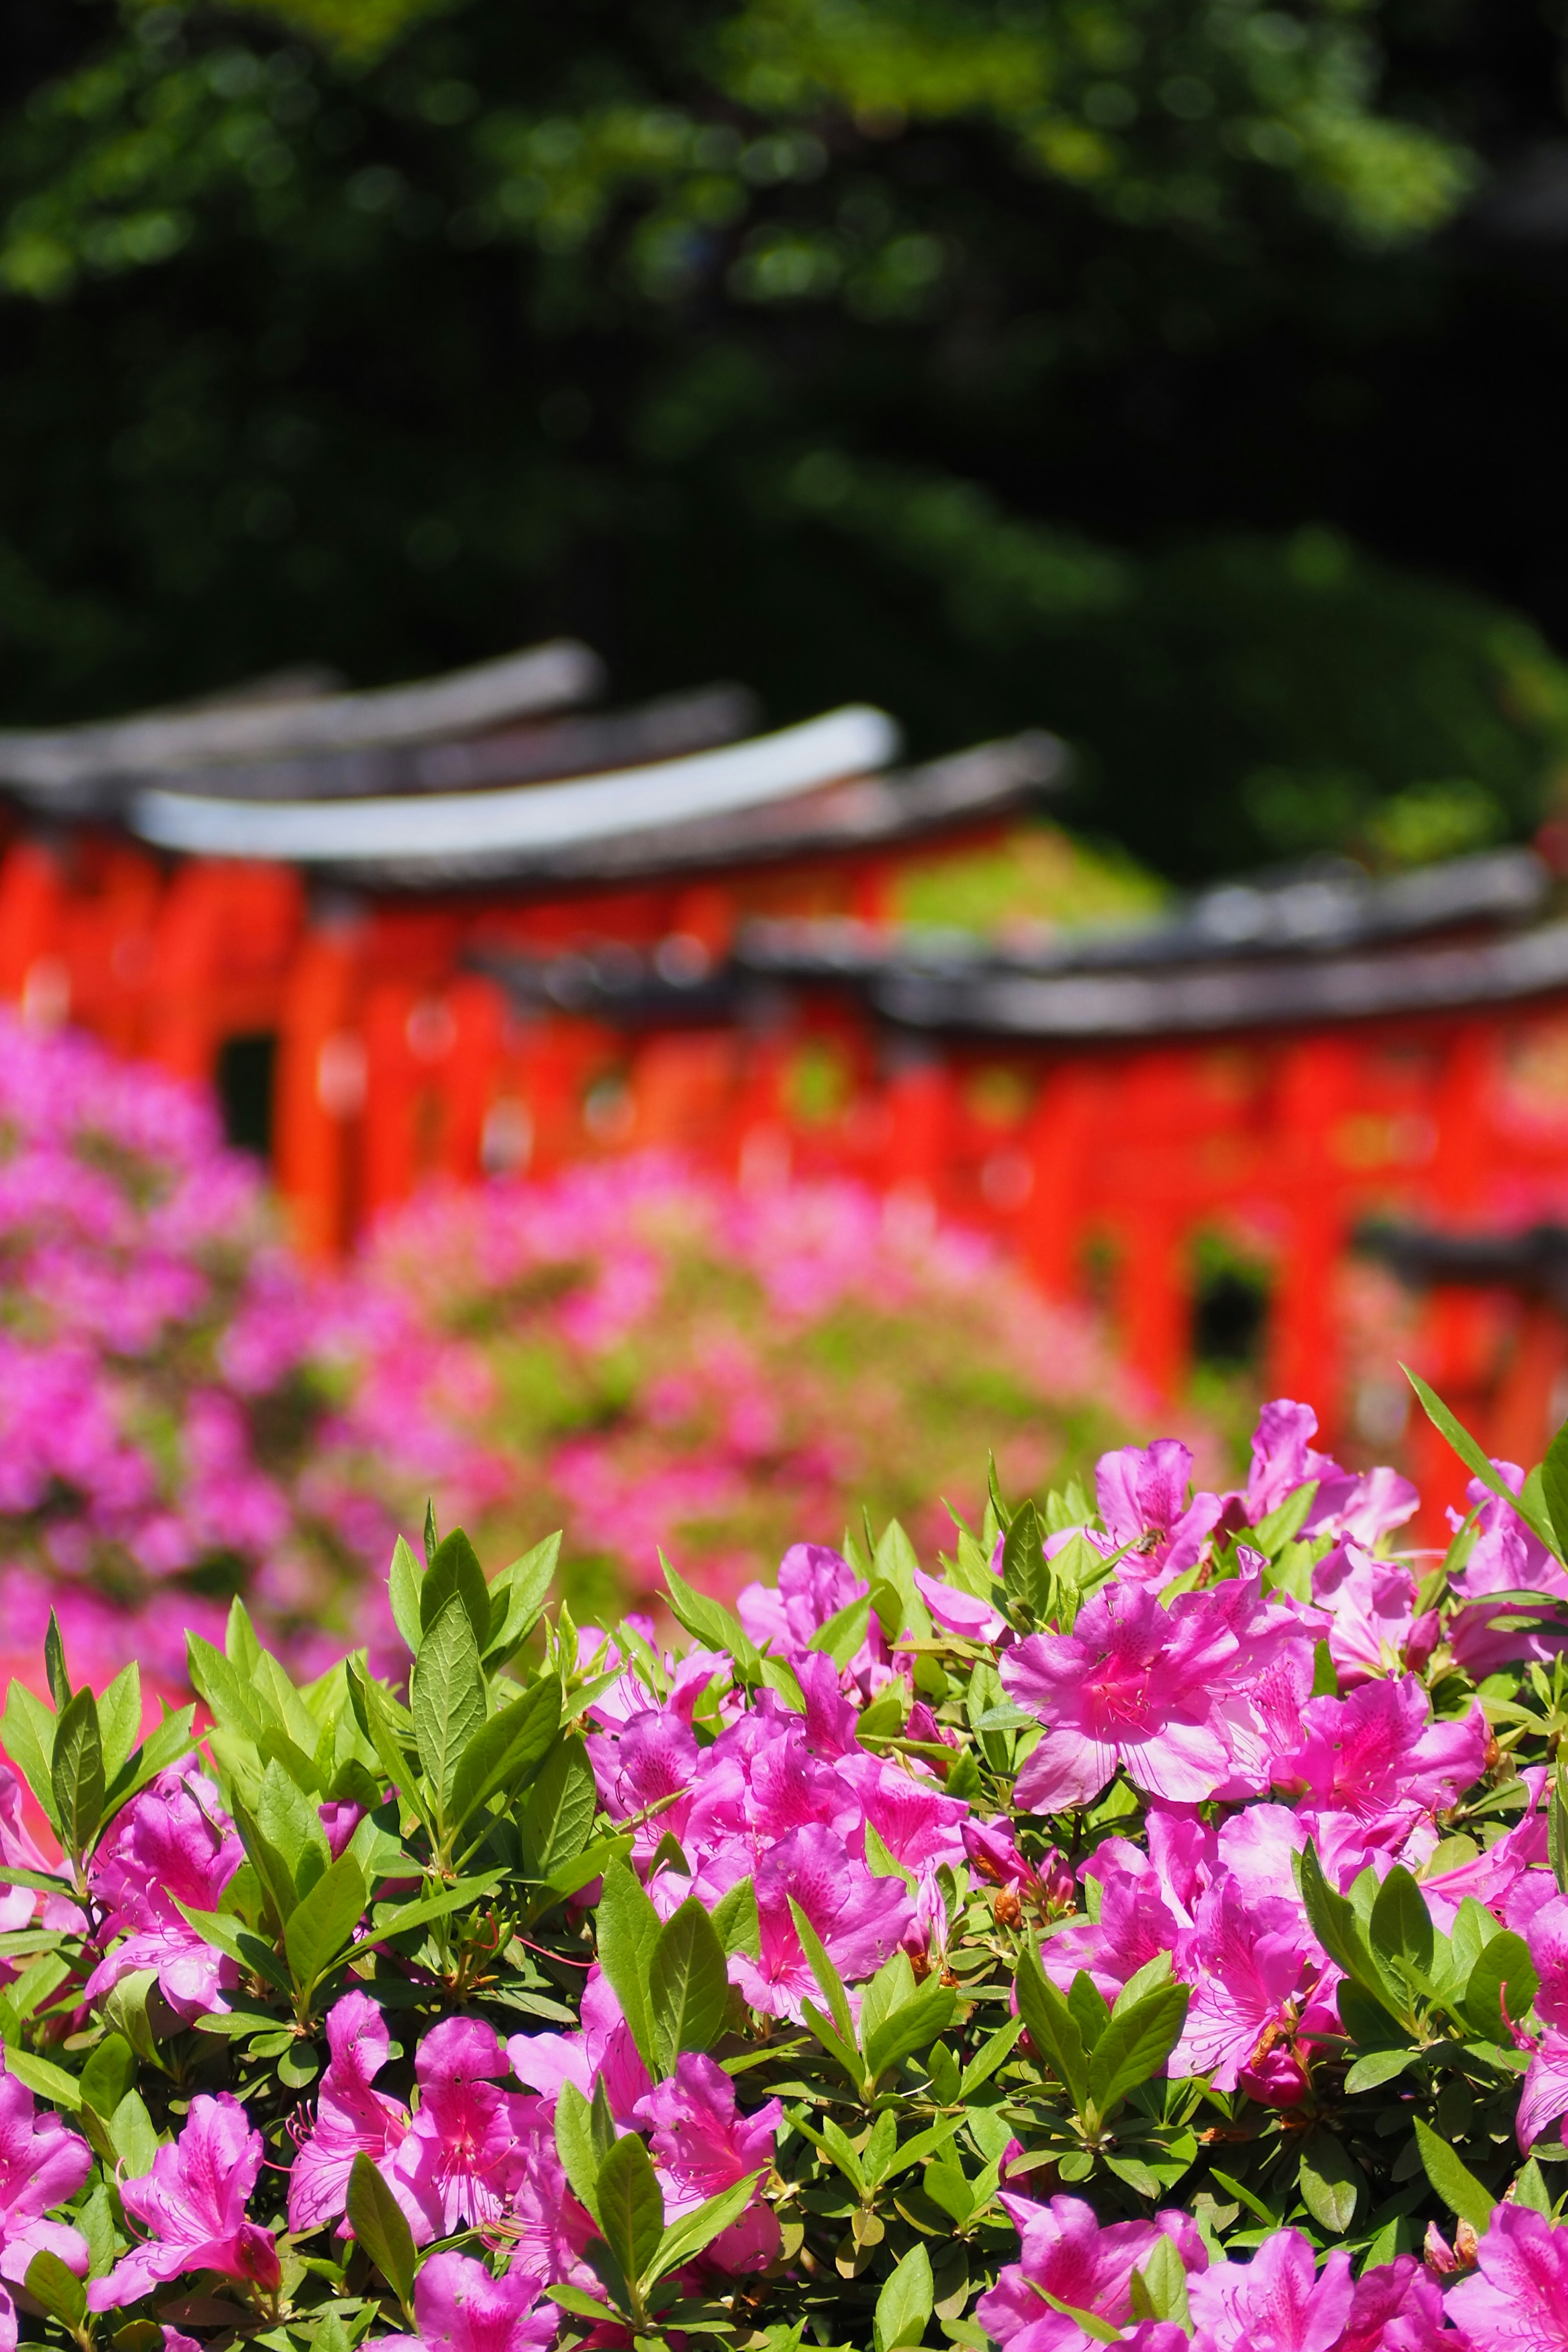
<point>679,948</point>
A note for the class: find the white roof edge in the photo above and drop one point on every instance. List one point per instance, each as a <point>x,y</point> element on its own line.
<point>539,679</point>
<point>847,743</point>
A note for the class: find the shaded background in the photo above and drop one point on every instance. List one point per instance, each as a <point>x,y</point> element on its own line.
<point>1187,377</point>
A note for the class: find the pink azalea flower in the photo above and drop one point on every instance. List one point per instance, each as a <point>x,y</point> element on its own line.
<point>460,2159</point>
<point>350,2117</point>
<point>1505,1557</point>
<point>1138,1919</point>
<point>459,2307</point>
<point>909,1812</point>
<point>1065,2251</point>
<point>1365,1508</point>
<point>1142,1685</point>
<point>173,1840</point>
<point>41,2164</point>
<point>861,1921</point>
<point>602,2050</point>
<point>1378,1751</point>
<point>1544,2096</point>
<point>1372,1613</point>
<point>1251,1962</point>
<point>1276,2303</point>
<point>959,1611</point>
<point>701,2145</point>
<point>1519,2301</point>
<point>813,1584</point>
<point>1143,1496</point>
<point>192,2203</point>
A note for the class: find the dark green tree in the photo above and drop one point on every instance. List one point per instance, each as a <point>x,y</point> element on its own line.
<point>813,342</point>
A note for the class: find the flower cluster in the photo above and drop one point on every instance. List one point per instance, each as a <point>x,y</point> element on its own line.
<point>161,1369</point>
<point>1147,1924</point>
<point>639,1353</point>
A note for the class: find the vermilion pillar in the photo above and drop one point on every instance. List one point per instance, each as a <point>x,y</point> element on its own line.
<point>321,1087</point>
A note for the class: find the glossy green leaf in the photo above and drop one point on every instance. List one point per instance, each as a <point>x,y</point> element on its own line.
<point>631,2206</point>
<point>377,2221</point>
<point>1331,2181</point>
<point>506,1750</point>
<point>1134,2046</point>
<point>904,2305</point>
<point>58,2290</point>
<point>1053,2029</point>
<point>580,2159</point>
<point>1478,1463</point>
<point>446,1697</point>
<point>322,1925</point>
<point>76,1772</point>
<point>1503,1971</point>
<point>628,1930</point>
<point>456,1569</point>
<point>689,1989</point>
<point>404,1580</point>
<point>1401,1926</point>
<point>1454,2182</point>
<point>555,1819</point>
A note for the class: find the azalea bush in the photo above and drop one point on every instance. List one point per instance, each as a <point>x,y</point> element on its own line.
<point>654,1357</point>
<point>636,1352</point>
<point>166,1375</point>
<point>1144,1922</point>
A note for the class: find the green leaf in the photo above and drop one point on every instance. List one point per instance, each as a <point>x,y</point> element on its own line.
<point>710,1622</point>
<point>404,1580</point>
<point>456,1570</point>
<point>1378,2066</point>
<point>735,1920</point>
<point>231,1694</point>
<point>172,1738</point>
<point>44,2078</point>
<point>1135,2045</point>
<point>293,1829</point>
<point>227,1934</point>
<point>1475,1460</point>
<point>1331,2182</point>
<point>446,1697</point>
<point>843,1633</point>
<point>1554,1486</point>
<point>432,1539</point>
<point>29,1729</point>
<point>458,1896</point>
<point>555,1819</point>
<point>1504,1971</point>
<point>699,2228</point>
<point>76,1772</point>
<point>1160,2288</point>
<point>109,2073</point>
<point>827,1977</point>
<point>1027,1577</point>
<point>1401,1927</point>
<point>631,2206</point>
<point>1455,2184</point>
<point>58,2290</point>
<point>323,1924</point>
<point>628,1931</point>
<point>904,2305</point>
<point>992,2053</point>
<point>910,2029</point>
<point>120,1718</point>
<point>55,1666</point>
<point>130,2129</point>
<point>1557,1826</point>
<point>1334,1923</point>
<point>505,1751</point>
<point>574,2145</point>
<point>689,1989</point>
<point>518,1593</point>
<point>1053,2029</point>
<point>377,2221</point>
<point>277,1878</point>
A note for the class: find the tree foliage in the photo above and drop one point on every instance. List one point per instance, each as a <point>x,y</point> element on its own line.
<point>797,338</point>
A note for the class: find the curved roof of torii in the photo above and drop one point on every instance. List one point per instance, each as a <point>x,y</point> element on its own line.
<point>477,778</point>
